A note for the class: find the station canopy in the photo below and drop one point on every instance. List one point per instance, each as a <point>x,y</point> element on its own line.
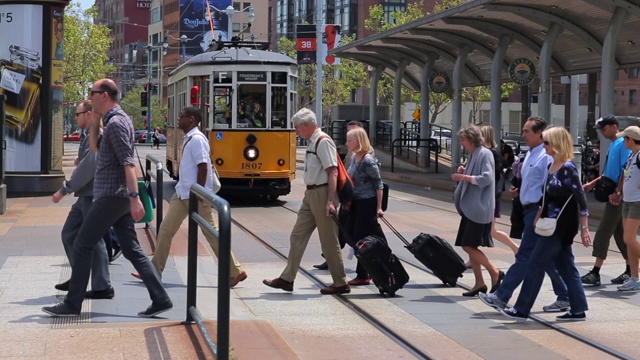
<point>480,24</point>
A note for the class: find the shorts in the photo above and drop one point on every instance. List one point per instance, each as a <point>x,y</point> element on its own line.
<point>631,210</point>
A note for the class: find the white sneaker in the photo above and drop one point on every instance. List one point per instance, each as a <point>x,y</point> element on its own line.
<point>630,285</point>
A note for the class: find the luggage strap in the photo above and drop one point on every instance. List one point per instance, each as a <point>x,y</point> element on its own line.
<point>396,232</point>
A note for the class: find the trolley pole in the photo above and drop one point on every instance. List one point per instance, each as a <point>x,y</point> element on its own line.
<point>319,61</point>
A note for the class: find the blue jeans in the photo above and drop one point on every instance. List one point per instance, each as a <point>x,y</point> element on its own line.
<point>517,272</point>
<point>550,250</point>
<point>104,213</point>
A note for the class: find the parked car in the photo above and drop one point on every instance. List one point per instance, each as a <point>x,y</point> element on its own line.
<point>139,133</point>
<point>75,136</point>
<point>162,138</point>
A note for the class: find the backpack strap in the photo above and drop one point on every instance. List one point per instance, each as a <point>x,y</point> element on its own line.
<point>318,142</point>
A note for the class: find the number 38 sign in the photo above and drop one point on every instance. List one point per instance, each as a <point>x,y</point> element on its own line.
<point>306,44</point>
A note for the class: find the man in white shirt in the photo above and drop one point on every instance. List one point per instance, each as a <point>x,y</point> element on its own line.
<point>195,167</point>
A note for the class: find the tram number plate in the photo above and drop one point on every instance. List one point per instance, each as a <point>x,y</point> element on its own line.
<point>252,165</point>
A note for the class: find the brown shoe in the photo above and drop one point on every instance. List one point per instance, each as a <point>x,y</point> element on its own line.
<point>335,290</point>
<point>236,280</point>
<point>279,283</point>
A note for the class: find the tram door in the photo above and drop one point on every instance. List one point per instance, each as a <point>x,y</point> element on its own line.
<point>222,100</point>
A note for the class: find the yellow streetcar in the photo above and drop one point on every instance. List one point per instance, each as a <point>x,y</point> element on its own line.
<point>247,97</point>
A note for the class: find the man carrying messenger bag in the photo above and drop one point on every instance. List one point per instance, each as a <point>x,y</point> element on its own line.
<point>603,186</point>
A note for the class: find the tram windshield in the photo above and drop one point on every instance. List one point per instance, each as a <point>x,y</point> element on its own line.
<point>251,106</point>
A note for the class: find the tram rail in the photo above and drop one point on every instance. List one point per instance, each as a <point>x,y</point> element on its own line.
<point>560,329</point>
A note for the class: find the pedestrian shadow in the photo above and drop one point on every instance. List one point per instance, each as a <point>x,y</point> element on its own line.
<point>373,295</point>
<point>439,299</point>
<point>611,294</point>
<point>283,296</point>
<point>43,300</point>
<point>140,284</point>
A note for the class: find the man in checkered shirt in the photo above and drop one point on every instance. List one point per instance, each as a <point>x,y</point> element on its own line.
<point>116,203</point>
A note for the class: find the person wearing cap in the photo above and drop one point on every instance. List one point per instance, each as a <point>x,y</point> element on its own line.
<point>630,198</point>
<point>611,222</point>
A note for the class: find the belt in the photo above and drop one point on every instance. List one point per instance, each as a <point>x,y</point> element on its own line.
<point>530,206</point>
<point>311,187</point>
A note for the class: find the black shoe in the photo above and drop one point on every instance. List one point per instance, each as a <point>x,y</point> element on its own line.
<point>60,310</point>
<point>155,309</point>
<point>322,266</point>
<point>116,254</point>
<point>591,278</point>
<point>481,289</point>
<point>568,316</point>
<point>102,294</point>
<point>500,278</point>
<point>621,279</point>
<point>513,314</point>
<point>63,286</point>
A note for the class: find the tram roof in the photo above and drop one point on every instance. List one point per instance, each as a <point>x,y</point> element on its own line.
<point>479,24</point>
<point>242,55</point>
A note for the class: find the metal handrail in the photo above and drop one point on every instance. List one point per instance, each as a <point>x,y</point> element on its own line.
<point>406,143</point>
<point>158,177</point>
<point>223,235</point>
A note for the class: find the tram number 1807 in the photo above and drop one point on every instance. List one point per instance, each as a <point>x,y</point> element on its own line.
<point>252,166</point>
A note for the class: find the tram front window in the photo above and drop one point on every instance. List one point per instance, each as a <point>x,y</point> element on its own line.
<point>222,108</point>
<point>251,106</point>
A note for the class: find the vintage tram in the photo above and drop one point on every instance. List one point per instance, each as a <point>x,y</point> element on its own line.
<point>247,97</point>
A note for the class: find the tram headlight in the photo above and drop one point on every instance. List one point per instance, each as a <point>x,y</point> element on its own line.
<point>251,153</point>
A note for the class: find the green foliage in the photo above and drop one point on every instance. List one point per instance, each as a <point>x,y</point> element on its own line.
<point>85,51</point>
<point>131,105</point>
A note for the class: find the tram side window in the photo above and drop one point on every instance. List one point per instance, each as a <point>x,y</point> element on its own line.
<point>279,106</point>
<point>251,106</point>
<point>222,108</point>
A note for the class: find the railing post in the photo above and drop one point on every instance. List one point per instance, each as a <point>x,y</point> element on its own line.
<point>160,195</point>
<point>192,257</point>
<point>224,264</point>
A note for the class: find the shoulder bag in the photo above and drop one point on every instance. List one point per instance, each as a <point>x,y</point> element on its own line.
<point>547,226</point>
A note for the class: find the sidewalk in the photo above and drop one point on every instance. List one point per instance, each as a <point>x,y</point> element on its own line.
<point>32,260</point>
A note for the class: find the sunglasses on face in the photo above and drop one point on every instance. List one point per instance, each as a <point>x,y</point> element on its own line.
<point>81,112</point>
<point>96,92</point>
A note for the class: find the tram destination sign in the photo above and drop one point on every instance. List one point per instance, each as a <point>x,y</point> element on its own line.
<point>252,76</point>
<point>522,71</point>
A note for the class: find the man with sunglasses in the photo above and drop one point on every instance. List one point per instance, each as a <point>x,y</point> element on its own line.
<point>116,203</point>
<point>81,184</point>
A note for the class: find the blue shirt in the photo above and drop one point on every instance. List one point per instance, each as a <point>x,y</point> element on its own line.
<point>533,172</point>
<point>616,160</point>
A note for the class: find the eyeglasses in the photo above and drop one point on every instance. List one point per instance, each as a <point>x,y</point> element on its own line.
<point>96,92</point>
<point>81,112</point>
<point>546,143</point>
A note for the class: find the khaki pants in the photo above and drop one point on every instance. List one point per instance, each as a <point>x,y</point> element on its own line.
<point>178,211</point>
<point>313,215</point>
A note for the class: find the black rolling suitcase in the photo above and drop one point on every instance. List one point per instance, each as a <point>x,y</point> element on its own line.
<point>436,254</point>
<point>385,269</point>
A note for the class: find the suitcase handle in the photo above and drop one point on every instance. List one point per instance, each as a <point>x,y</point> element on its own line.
<point>396,232</point>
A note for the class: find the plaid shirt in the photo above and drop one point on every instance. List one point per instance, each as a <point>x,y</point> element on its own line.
<point>116,151</point>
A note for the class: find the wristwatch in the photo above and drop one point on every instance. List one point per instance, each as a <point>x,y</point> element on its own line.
<point>133,194</point>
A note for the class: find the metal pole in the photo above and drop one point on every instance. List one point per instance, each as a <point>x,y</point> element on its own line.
<point>148,137</point>
<point>3,148</point>
<point>319,62</point>
<point>192,257</point>
<point>230,12</point>
<point>224,292</point>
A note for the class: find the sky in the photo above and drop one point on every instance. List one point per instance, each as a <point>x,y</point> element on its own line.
<point>85,4</point>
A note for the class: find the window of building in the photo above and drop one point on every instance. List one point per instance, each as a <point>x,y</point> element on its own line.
<point>236,27</point>
<point>246,5</point>
<point>236,6</point>
<point>633,97</point>
<point>615,97</point>
<point>156,15</point>
<point>633,73</point>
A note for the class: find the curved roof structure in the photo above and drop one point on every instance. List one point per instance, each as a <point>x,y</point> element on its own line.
<point>241,55</point>
<point>480,24</point>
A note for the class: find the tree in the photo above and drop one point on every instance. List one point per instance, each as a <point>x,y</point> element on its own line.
<point>477,95</point>
<point>131,105</point>
<point>85,51</point>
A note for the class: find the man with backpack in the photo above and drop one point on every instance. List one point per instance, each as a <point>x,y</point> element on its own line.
<point>319,203</point>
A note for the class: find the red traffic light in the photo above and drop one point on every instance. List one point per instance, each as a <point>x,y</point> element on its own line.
<point>195,91</point>
<point>145,86</point>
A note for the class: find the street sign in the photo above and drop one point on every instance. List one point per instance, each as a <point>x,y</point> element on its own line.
<point>306,44</point>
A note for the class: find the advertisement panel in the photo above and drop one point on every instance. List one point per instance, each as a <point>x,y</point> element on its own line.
<point>21,83</point>
<point>197,28</point>
<point>57,78</point>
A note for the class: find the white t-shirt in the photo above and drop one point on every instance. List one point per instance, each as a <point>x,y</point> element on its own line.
<point>195,151</point>
<point>631,186</point>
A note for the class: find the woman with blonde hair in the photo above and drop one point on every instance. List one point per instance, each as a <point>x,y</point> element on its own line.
<point>366,205</point>
<point>475,200</point>
<point>490,143</point>
<point>564,199</point>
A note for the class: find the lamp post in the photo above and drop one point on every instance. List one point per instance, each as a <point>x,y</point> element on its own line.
<point>230,11</point>
<point>164,46</point>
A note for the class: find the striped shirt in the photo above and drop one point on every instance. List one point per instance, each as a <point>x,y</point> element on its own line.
<point>116,151</point>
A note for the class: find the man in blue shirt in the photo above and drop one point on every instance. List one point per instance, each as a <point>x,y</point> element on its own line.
<point>533,173</point>
<point>611,222</point>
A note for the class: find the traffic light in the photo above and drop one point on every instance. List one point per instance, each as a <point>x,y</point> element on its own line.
<point>144,101</point>
<point>144,112</point>
<point>195,92</point>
